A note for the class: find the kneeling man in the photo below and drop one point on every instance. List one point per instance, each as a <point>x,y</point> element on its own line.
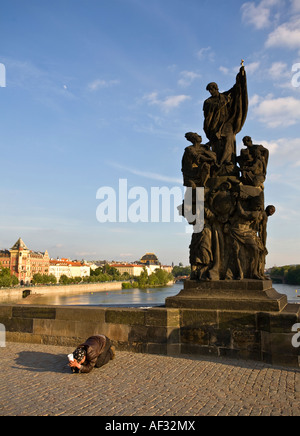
<point>96,351</point>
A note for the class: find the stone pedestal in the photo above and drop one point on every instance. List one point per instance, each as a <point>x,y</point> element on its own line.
<point>242,319</point>
<point>248,295</point>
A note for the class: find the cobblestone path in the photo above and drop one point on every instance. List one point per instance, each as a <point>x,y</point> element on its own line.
<point>35,380</point>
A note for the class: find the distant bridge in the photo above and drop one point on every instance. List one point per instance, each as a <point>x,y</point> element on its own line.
<point>280,279</point>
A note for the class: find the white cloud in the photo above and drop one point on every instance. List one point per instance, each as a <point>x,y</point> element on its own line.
<point>286,35</point>
<point>85,253</point>
<point>272,146</point>
<point>250,68</point>
<point>168,103</point>
<point>295,5</point>
<point>279,70</point>
<point>284,153</point>
<point>187,78</point>
<point>224,70</point>
<point>206,53</point>
<point>126,255</point>
<point>259,16</point>
<point>278,112</point>
<point>254,100</point>
<point>100,84</point>
<point>147,174</point>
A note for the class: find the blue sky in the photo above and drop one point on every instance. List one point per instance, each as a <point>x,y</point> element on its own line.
<point>98,91</point>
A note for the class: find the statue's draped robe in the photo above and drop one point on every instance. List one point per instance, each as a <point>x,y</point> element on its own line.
<point>224,117</point>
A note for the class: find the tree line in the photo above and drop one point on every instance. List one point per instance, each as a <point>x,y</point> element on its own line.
<point>102,274</point>
<point>99,275</point>
<point>159,277</point>
<point>181,271</point>
<point>289,273</point>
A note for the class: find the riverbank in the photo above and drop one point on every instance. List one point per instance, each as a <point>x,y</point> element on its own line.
<point>30,291</point>
<point>99,294</point>
<point>135,285</point>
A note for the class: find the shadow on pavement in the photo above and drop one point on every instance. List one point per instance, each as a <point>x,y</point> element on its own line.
<point>36,361</point>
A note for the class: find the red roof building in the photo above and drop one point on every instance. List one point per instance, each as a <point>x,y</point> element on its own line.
<point>23,262</point>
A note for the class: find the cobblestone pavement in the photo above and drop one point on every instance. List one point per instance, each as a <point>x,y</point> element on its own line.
<point>35,380</point>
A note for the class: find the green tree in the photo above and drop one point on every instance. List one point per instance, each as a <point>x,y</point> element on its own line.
<point>153,280</point>
<point>14,280</point>
<point>64,280</point>
<point>143,279</point>
<point>163,276</point>
<point>181,271</point>
<point>52,279</point>
<point>289,273</point>
<point>36,279</point>
<point>43,279</point>
<point>7,279</point>
<point>126,285</point>
<point>96,272</point>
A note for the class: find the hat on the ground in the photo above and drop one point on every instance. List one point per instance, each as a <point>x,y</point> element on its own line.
<point>79,354</point>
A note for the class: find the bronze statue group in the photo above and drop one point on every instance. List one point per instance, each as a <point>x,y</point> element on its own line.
<point>232,244</point>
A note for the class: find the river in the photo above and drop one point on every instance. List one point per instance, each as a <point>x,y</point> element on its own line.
<point>149,297</point>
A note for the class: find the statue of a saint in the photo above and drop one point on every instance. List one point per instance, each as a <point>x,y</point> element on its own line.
<point>224,116</point>
<point>197,161</point>
<point>244,234</point>
<point>231,243</point>
<point>251,150</point>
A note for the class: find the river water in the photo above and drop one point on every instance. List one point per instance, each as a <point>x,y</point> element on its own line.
<point>134,297</point>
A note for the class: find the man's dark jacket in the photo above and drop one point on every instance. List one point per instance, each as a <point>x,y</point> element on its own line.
<point>94,347</point>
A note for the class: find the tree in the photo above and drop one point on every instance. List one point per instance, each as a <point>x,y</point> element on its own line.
<point>96,272</point>
<point>52,279</point>
<point>43,279</point>
<point>181,271</point>
<point>143,278</point>
<point>290,274</point>
<point>7,279</point>
<point>125,276</point>
<point>37,279</point>
<point>163,276</point>
<point>153,280</point>
<point>64,280</point>
<point>14,280</point>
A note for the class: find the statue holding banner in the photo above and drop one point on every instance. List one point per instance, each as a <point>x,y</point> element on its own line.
<point>231,244</point>
<point>224,116</point>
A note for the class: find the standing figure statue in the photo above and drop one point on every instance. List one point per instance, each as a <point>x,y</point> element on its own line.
<point>224,116</point>
<point>262,233</point>
<point>244,235</point>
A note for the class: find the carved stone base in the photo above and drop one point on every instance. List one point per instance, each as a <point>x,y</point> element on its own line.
<point>248,295</point>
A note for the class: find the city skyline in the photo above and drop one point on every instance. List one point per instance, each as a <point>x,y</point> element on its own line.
<point>99,93</point>
<point>23,245</point>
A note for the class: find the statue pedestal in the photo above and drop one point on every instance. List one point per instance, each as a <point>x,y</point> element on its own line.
<point>248,295</point>
<point>245,319</point>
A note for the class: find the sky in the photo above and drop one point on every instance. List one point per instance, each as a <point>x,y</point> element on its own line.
<point>101,91</point>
